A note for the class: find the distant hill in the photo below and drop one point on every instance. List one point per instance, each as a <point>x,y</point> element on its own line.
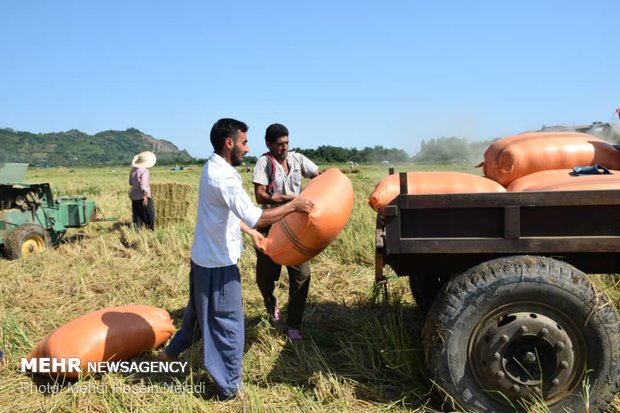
<point>75,148</point>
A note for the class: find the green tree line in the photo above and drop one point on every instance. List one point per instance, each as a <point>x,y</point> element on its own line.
<point>74,148</point>
<point>451,150</point>
<point>336,154</point>
<point>118,147</point>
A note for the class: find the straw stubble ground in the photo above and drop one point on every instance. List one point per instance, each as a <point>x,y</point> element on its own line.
<point>359,354</point>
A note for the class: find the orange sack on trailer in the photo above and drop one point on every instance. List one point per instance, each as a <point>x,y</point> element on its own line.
<point>298,236</point>
<point>109,334</point>
<point>435,182</point>
<point>513,157</point>
<point>564,180</point>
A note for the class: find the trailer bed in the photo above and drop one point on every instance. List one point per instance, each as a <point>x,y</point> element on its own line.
<point>448,233</point>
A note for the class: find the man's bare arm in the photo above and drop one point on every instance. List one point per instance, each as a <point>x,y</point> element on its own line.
<point>263,197</point>
<point>257,237</point>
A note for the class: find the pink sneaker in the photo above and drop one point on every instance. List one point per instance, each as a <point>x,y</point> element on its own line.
<point>294,334</point>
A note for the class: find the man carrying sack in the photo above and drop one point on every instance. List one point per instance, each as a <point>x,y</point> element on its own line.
<point>277,180</point>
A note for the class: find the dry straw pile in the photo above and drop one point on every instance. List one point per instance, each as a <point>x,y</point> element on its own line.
<point>171,202</point>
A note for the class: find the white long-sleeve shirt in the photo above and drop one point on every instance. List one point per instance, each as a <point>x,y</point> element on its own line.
<point>222,203</point>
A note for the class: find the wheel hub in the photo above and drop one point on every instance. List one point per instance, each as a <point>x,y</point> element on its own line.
<point>31,245</point>
<point>524,355</point>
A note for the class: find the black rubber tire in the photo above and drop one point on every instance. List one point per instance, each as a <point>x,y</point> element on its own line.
<point>457,327</point>
<point>425,289</point>
<point>25,240</point>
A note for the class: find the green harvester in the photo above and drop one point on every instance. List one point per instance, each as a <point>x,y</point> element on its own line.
<point>31,220</point>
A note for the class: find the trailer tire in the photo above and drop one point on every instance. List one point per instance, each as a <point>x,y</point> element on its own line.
<point>514,331</point>
<point>25,240</point>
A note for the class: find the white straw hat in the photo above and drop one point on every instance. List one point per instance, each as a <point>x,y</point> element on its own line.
<point>144,159</point>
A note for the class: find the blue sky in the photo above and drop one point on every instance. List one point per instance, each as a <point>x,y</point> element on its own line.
<point>350,74</point>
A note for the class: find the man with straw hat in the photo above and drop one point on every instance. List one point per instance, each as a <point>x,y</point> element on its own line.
<point>142,207</point>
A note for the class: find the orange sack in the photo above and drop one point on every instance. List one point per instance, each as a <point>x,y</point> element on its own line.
<point>562,180</point>
<point>109,334</point>
<point>513,157</point>
<point>298,236</point>
<point>435,182</point>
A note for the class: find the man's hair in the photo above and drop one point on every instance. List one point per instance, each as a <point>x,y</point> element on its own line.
<point>226,128</point>
<point>275,132</point>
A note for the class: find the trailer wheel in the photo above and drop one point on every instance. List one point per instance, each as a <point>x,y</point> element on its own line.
<point>513,332</point>
<point>25,240</point>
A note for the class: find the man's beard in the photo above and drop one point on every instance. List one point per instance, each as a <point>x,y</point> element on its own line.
<point>281,156</point>
<point>236,157</point>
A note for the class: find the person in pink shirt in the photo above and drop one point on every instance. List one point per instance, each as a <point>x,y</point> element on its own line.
<point>142,207</point>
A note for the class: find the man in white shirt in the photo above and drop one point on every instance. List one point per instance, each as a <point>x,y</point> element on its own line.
<point>224,209</point>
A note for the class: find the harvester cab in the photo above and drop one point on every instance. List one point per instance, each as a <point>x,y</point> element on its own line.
<point>31,220</point>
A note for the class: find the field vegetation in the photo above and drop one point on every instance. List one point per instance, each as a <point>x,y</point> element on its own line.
<point>360,353</point>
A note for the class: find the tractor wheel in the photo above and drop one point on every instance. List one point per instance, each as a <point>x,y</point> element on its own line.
<point>25,240</point>
<point>518,332</point>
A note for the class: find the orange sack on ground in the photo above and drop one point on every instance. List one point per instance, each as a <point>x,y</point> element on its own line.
<point>562,180</point>
<point>435,182</point>
<point>109,334</point>
<point>515,156</point>
<point>298,236</point>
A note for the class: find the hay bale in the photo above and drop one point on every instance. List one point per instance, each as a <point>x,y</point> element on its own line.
<point>171,204</point>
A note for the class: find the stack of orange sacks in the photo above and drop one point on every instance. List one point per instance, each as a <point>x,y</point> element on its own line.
<point>544,161</point>
<point>530,161</point>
